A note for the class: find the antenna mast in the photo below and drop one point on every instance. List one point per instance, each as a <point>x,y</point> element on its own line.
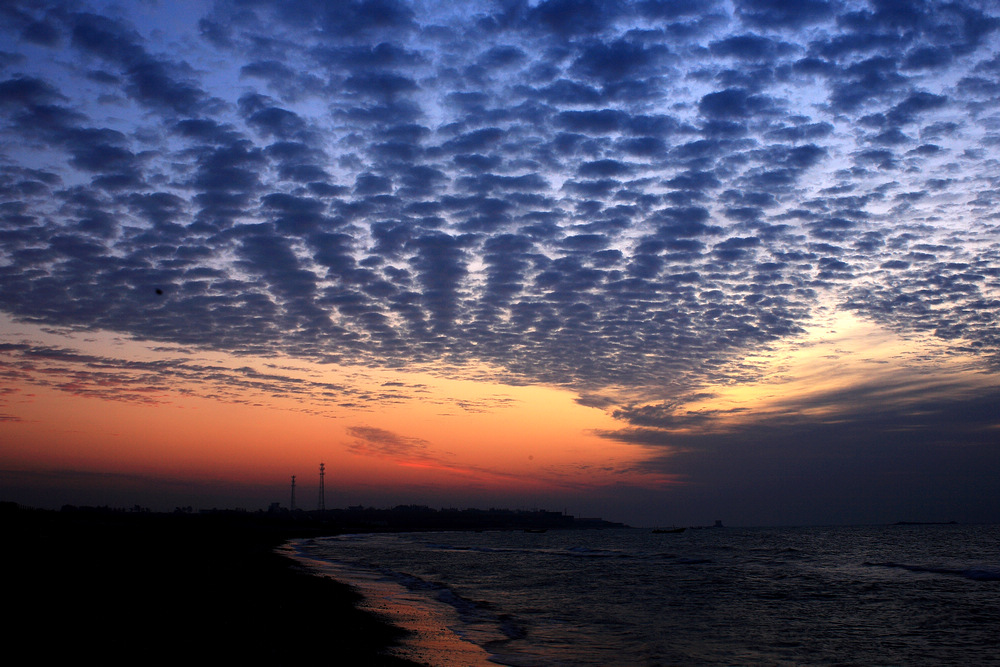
<point>322,493</point>
<point>293,493</point>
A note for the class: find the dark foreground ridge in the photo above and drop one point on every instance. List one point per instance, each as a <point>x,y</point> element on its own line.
<point>128,587</point>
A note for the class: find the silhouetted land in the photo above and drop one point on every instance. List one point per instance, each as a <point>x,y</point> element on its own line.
<point>131,588</point>
<point>411,518</point>
<point>125,587</point>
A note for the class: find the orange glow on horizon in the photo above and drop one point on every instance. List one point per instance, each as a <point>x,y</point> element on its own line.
<point>435,431</point>
<point>259,421</point>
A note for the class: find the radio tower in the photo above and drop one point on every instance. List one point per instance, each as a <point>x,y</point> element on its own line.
<point>322,494</point>
<point>293,493</point>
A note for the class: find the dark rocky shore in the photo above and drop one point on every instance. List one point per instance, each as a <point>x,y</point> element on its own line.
<point>140,587</point>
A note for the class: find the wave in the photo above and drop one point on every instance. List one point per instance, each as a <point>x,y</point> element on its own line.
<point>470,612</point>
<point>693,561</point>
<point>574,552</point>
<point>973,573</point>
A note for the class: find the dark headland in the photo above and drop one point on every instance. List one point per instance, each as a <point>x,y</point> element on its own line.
<point>127,587</point>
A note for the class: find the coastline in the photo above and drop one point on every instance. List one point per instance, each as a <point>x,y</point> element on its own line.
<point>124,587</point>
<point>428,637</point>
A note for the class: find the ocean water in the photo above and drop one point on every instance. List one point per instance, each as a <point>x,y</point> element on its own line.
<point>874,595</point>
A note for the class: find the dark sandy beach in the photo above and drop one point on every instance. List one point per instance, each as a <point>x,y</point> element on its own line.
<point>131,587</point>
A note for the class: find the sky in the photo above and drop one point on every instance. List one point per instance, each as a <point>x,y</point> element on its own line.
<point>664,262</point>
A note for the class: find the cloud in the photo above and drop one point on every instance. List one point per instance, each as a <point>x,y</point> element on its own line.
<point>880,452</point>
<point>374,441</point>
<point>672,187</point>
<point>172,378</point>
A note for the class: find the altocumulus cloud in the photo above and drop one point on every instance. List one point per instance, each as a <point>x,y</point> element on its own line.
<point>593,195</point>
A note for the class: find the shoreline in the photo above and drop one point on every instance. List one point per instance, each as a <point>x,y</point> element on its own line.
<point>428,637</point>
<point>127,587</point>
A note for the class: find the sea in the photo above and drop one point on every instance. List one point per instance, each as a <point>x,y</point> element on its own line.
<point>867,595</point>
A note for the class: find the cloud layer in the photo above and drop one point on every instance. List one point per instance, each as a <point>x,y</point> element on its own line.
<point>589,194</point>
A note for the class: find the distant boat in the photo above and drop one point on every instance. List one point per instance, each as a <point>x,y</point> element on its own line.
<point>668,530</point>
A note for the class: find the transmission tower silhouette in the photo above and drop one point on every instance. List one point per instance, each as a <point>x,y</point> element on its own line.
<point>322,493</point>
<point>293,493</point>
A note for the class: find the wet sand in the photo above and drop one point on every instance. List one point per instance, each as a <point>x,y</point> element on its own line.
<point>127,588</point>
<point>429,638</point>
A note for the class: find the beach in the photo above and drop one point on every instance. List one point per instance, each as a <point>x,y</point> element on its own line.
<point>127,587</point>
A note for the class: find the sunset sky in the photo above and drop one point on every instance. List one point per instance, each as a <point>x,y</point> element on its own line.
<point>663,262</point>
